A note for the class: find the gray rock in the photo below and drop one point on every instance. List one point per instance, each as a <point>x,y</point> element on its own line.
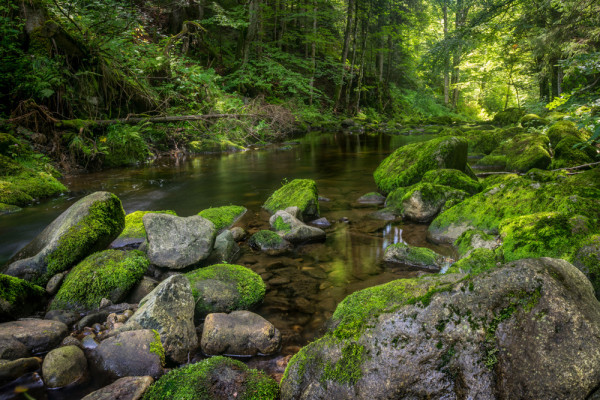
<point>420,257</point>
<point>528,330</point>
<point>225,249</point>
<point>371,198</point>
<point>238,233</point>
<point>169,309</point>
<point>64,366</point>
<point>293,230</point>
<point>70,238</point>
<point>98,317</point>
<point>294,211</point>
<point>38,335</point>
<point>269,242</point>
<point>385,214</point>
<point>127,388</point>
<point>321,223</point>
<point>176,242</point>
<point>54,283</point>
<point>241,333</point>
<point>65,316</point>
<point>133,353</point>
<point>283,221</point>
<point>141,290</point>
<point>72,341</point>
<point>11,370</point>
<point>12,349</point>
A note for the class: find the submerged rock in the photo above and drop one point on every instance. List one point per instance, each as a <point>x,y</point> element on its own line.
<point>64,366</point>
<point>240,333</point>
<point>420,257</point>
<point>454,336</point>
<point>109,274</point>
<point>371,198</point>
<point>176,242</point>
<point>301,193</point>
<point>168,309</point>
<point>225,288</point>
<point>89,225</point>
<point>407,165</point>
<point>214,378</point>
<point>127,388</point>
<point>11,370</point>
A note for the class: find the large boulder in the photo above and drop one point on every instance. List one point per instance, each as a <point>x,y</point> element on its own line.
<point>456,336</point>
<point>133,353</point>
<point>109,274</point>
<point>176,242</point>
<point>301,193</point>
<point>240,333</point>
<point>168,309</point>
<point>563,129</point>
<point>225,288</point>
<point>419,257</point>
<point>134,231</point>
<point>64,366</point>
<point>18,298</point>
<point>407,165</point>
<point>452,178</point>
<point>89,225</point>
<point>127,388</point>
<point>571,151</point>
<point>520,153</point>
<point>37,335</point>
<point>508,116</point>
<point>223,217</point>
<point>214,378</point>
<point>423,201</point>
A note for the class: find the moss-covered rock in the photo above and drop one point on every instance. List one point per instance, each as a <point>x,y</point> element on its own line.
<point>225,288</point>
<point>268,241</point>
<point>574,195</point>
<point>508,116</point>
<point>570,152</point>
<point>478,260</point>
<point>18,298</point>
<point>475,239</point>
<point>407,165</point>
<point>562,129</point>
<point>134,226</point>
<point>208,146</point>
<point>420,257</point>
<point>8,209</point>
<point>523,152</point>
<point>533,121</point>
<point>453,178</point>
<point>485,142</point>
<point>214,378</point>
<point>10,195</point>
<point>544,234</point>
<point>223,217</point>
<point>301,193</point>
<point>493,161</point>
<point>496,180</point>
<point>109,274</point>
<point>587,260</point>
<point>89,225</point>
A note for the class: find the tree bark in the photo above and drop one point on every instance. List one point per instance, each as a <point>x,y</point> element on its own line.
<point>347,31</point>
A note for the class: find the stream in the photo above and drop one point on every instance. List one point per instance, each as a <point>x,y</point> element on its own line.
<point>303,286</point>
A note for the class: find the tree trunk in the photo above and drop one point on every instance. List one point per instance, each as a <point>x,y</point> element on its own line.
<point>362,62</point>
<point>340,84</point>
<point>313,52</point>
<point>351,80</point>
<point>253,25</point>
<point>446,58</point>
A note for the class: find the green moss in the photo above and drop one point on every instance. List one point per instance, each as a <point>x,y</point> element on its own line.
<point>411,255</point>
<point>453,178</point>
<point>9,194</point>
<point>280,226</point>
<point>587,259</point>
<point>563,129</point>
<point>493,161</point>
<point>508,116</point>
<point>75,124</point>
<point>18,291</point>
<point>8,143</point>
<point>487,141</point>
<point>464,241</point>
<point>301,193</point>
<point>223,217</point>
<point>157,348</point>
<point>8,209</point>
<point>214,146</point>
<point>496,180</point>
<point>545,234</point>
<point>194,382</point>
<point>570,152</point>
<point>478,261</point>
<point>532,121</point>
<point>432,196</point>
<point>522,153</point>
<point>407,165</point>
<point>134,224</point>
<point>105,220</point>
<point>265,240</point>
<point>109,274</point>
<point>347,368</point>
<point>249,285</point>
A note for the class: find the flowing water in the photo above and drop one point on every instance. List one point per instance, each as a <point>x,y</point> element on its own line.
<point>303,286</point>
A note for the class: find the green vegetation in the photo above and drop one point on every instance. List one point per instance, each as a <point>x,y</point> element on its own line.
<point>201,381</point>
<point>266,240</point>
<point>479,260</point>
<point>108,274</point>
<point>157,348</point>
<point>18,293</point>
<point>280,226</point>
<point>411,255</point>
<point>301,193</point>
<point>134,225</point>
<point>464,243</point>
<point>223,217</point>
<point>453,178</point>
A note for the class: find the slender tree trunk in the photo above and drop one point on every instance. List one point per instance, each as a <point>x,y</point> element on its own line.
<point>313,52</point>
<point>446,58</point>
<point>340,84</point>
<point>461,19</point>
<point>361,72</point>
<point>351,79</point>
<point>253,26</point>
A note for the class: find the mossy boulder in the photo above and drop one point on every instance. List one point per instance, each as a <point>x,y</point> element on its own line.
<point>484,142</point>
<point>268,241</point>
<point>407,165</point>
<point>214,378</point>
<point>223,217</point>
<point>109,274</point>
<point>533,121</point>
<point>208,146</point>
<point>587,260</point>
<point>423,201</point>
<point>570,152</point>
<point>508,116</point>
<point>522,153</point>
<point>18,298</point>
<point>134,230</point>
<point>89,225</point>
<point>6,209</point>
<point>419,257</point>
<point>574,195</point>
<point>225,288</point>
<point>477,261</point>
<point>453,178</point>
<point>544,234</point>
<point>562,129</point>
<point>475,239</point>
<point>10,195</point>
<point>301,193</point>
<point>466,334</point>
<point>64,366</point>
<point>8,143</point>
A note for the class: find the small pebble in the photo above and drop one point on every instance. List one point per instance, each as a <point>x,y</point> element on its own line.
<point>128,313</point>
